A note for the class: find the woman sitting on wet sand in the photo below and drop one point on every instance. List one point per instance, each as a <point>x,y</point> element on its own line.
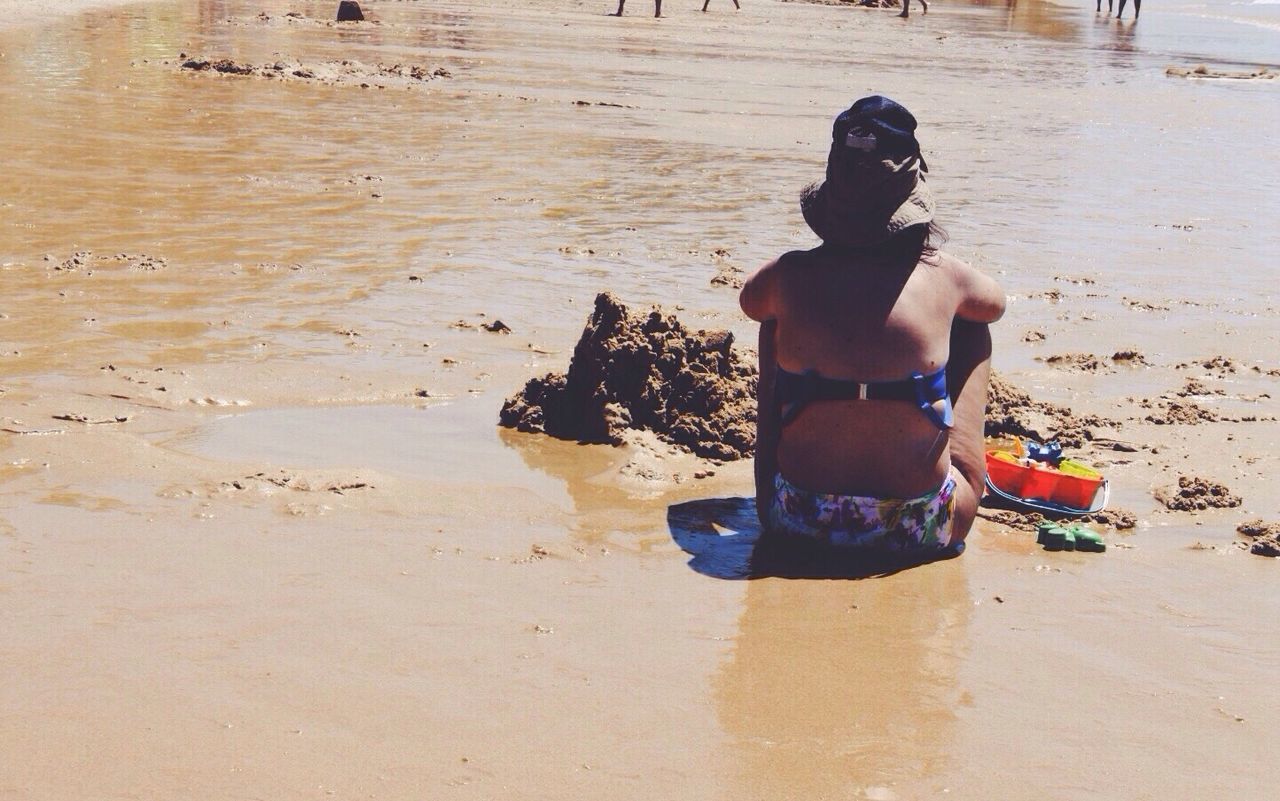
<point>874,356</point>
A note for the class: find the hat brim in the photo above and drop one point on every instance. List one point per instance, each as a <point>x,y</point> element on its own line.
<point>854,229</point>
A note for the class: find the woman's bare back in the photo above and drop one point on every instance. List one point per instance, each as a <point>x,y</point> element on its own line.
<point>867,321</point>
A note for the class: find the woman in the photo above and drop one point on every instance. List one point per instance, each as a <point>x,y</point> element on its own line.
<point>873,354</point>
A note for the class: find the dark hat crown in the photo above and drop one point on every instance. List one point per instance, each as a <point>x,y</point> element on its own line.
<point>876,125</point>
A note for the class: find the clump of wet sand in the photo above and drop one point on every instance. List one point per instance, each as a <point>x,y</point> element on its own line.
<point>1086,362</point>
<point>727,274</point>
<point>1131,358</point>
<point>646,372</point>
<point>334,73</point>
<point>1265,537</point>
<point>86,262</point>
<point>1194,493</point>
<point>1204,71</point>
<point>1181,413</point>
<point>1195,387</point>
<point>1221,365</point>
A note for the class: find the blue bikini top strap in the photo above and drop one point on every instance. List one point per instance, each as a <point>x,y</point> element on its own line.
<point>931,389</point>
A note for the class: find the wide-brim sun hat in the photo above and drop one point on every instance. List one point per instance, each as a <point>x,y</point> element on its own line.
<point>875,186</point>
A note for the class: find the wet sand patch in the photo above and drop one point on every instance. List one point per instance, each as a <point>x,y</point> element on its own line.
<point>302,604</point>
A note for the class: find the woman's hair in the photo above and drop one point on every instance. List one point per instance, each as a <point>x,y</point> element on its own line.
<point>908,246</point>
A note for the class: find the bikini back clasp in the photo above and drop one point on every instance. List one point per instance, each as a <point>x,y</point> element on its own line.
<point>801,389</point>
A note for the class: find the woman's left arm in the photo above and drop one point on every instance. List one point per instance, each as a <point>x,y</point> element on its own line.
<point>757,303</point>
<point>756,297</point>
<point>768,423</point>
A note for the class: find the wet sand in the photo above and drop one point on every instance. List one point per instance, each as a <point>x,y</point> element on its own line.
<point>262,536</point>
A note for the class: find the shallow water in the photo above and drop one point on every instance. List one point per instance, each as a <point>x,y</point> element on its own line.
<point>1057,147</point>
<point>401,440</point>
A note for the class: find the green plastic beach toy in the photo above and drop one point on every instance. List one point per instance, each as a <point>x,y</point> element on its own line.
<point>1087,539</point>
<point>1055,538</point>
<point>1078,537</point>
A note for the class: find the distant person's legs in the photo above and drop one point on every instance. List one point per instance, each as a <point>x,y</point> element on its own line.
<point>621,3</point>
<point>906,5</point>
<point>657,8</point>
<point>1137,7</point>
<point>1120,12</point>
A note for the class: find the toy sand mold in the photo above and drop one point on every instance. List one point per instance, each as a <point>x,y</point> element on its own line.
<point>1035,476</point>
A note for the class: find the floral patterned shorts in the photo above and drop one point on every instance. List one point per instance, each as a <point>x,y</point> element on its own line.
<point>852,521</point>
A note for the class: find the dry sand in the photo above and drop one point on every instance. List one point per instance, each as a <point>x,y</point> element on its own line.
<point>261,536</point>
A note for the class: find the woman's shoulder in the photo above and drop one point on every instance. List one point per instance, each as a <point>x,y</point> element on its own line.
<point>795,258</point>
<point>788,264</point>
<point>952,266</point>
<point>944,260</point>
<point>759,295</point>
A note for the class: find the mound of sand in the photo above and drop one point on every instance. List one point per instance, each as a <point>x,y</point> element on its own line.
<point>647,372</point>
<point>1010,411</point>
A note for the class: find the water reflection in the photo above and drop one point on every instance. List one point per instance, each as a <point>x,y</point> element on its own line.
<point>845,690</point>
<point>1120,42</point>
<point>604,505</point>
<point>1035,17</point>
